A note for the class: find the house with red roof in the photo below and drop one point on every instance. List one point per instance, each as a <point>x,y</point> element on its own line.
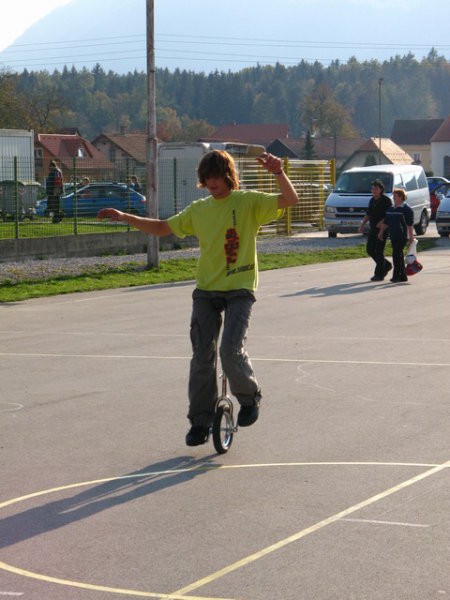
<point>249,133</point>
<point>325,148</point>
<point>124,146</point>
<point>76,157</point>
<point>440,150</point>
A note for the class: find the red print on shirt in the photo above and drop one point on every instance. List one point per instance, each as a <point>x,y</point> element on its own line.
<point>231,245</point>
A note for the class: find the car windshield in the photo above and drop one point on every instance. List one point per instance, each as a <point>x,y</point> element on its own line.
<point>360,182</point>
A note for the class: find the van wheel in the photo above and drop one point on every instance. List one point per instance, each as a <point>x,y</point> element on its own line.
<point>332,234</point>
<point>422,225</point>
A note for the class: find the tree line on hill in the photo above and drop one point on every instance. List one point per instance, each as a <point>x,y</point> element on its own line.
<point>342,99</point>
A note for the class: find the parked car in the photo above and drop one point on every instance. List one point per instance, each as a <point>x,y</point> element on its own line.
<point>443,213</point>
<point>433,182</point>
<point>440,190</point>
<point>95,196</point>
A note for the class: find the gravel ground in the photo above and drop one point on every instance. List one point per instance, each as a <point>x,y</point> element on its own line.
<point>44,269</point>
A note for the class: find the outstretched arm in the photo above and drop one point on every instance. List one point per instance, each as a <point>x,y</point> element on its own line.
<point>144,224</point>
<point>274,165</point>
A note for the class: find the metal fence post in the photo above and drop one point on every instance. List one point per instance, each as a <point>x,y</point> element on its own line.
<point>333,171</point>
<point>175,186</point>
<point>75,197</point>
<point>16,199</point>
<point>288,210</point>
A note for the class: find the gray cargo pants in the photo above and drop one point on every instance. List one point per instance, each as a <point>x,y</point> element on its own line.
<point>206,322</point>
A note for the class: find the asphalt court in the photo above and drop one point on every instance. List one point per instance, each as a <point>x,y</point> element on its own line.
<point>340,490</point>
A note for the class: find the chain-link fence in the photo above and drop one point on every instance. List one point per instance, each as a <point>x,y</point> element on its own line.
<point>27,211</point>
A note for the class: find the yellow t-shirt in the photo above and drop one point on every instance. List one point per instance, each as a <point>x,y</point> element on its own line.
<point>226,230</point>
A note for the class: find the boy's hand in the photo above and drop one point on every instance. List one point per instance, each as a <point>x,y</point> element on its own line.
<point>271,163</point>
<point>110,213</point>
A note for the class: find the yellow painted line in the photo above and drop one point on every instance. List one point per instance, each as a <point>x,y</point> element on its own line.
<point>181,594</point>
<point>97,481</point>
<point>301,534</point>
<point>207,467</point>
<point>102,588</point>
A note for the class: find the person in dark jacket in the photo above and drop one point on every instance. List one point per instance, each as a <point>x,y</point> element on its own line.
<point>54,189</point>
<point>135,185</point>
<point>399,221</point>
<point>375,215</point>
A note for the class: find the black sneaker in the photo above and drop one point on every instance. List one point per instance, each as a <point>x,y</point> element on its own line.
<point>248,414</point>
<point>377,278</point>
<point>197,435</point>
<point>388,268</point>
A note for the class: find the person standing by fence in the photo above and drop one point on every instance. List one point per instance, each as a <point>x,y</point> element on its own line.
<point>54,188</point>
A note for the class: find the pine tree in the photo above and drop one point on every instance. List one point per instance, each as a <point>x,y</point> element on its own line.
<point>309,151</point>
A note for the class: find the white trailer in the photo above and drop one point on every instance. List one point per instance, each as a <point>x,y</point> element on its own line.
<point>17,143</point>
<point>18,188</point>
<point>177,170</point>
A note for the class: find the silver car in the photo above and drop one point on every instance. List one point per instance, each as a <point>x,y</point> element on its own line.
<point>443,214</point>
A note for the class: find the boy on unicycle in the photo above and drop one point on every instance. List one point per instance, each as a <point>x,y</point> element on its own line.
<point>226,224</point>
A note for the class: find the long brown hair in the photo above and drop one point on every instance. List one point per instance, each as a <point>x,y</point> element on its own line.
<point>218,163</point>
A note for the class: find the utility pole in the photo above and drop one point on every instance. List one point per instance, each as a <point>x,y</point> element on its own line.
<point>380,81</point>
<point>152,142</point>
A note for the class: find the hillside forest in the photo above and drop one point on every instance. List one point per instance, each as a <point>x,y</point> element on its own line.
<point>343,99</point>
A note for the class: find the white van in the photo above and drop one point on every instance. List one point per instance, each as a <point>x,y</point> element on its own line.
<point>346,206</point>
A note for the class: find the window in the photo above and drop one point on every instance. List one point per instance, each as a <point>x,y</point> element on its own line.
<point>422,181</point>
<point>409,181</point>
<point>447,166</point>
<point>360,182</point>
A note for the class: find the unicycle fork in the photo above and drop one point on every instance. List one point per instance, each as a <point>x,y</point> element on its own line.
<point>223,427</point>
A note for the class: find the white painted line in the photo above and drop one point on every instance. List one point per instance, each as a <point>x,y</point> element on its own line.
<point>11,593</point>
<point>10,407</point>
<point>255,336</point>
<point>376,522</point>
<point>274,359</point>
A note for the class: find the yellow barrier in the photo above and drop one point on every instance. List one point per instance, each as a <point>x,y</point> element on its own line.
<point>313,180</point>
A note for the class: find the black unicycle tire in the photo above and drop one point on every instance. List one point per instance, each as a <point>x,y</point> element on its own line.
<point>222,430</point>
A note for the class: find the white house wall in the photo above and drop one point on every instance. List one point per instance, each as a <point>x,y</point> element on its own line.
<point>439,150</point>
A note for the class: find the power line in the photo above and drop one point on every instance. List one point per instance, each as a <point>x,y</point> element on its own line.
<point>229,41</point>
<point>40,49</point>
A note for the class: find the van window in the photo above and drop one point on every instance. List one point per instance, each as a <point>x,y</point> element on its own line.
<point>422,181</point>
<point>409,181</point>
<point>359,182</point>
<point>398,181</point>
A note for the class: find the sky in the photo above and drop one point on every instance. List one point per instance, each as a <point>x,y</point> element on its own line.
<point>198,35</point>
<point>18,15</point>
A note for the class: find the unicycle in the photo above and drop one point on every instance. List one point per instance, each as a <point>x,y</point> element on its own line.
<point>223,426</point>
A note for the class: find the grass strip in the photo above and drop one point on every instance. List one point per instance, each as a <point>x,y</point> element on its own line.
<point>169,271</point>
